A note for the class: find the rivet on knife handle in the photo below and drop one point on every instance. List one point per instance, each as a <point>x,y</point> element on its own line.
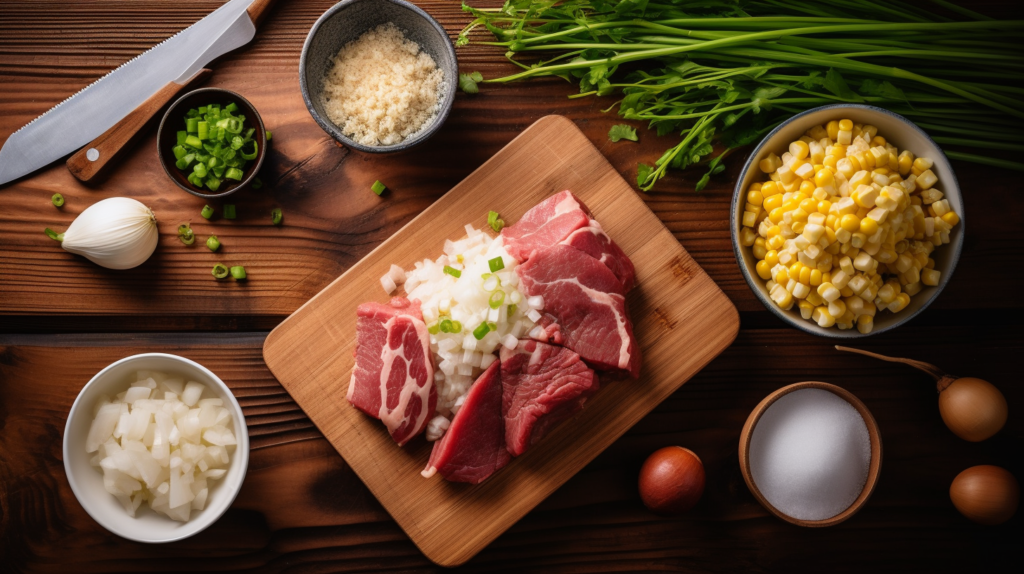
<point>88,162</point>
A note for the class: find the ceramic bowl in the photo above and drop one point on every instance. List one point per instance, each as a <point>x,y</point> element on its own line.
<point>87,481</point>
<point>345,22</point>
<point>874,467</point>
<point>173,121</point>
<point>904,134</point>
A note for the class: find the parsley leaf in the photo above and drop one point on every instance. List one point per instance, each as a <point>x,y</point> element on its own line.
<point>467,82</point>
<point>622,132</point>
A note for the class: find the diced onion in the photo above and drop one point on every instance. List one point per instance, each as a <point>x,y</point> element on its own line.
<point>388,284</point>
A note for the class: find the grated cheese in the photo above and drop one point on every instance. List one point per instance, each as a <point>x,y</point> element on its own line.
<point>382,88</point>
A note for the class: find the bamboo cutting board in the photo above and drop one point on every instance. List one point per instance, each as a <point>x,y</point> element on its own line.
<point>682,320</point>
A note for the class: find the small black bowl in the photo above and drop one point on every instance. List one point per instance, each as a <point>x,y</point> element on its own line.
<point>347,21</point>
<point>174,120</point>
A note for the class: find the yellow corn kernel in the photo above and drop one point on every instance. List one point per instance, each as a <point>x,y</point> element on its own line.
<point>776,215</point>
<point>865,323</point>
<point>764,271</point>
<point>822,317</point>
<point>832,221</point>
<point>801,290</point>
<point>807,187</point>
<point>837,308</point>
<point>756,186</point>
<point>815,278</point>
<point>865,196</point>
<point>830,162</point>
<point>782,275</point>
<point>869,132</point>
<point>770,188</point>
<point>906,162</point>
<point>832,129</point>
<point>771,258</point>
<point>782,297</point>
<point>760,250</point>
<point>772,202</point>
<point>775,242</point>
<point>773,231</point>
<point>754,197</point>
<point>747,237</point>
<point>926,179</point>
<point>899,303</point>
<point>770,163</point>
<point>845,125</point>
<point>893,165</point>
<point>930,277</point>
<point>799,149</point>
<point>806,308</point>
<point>921,165</point>
<point>809,205</point>
<point>824,178</point>
<point>825,205</point>
<point>850,222</point>
<point>868,226</point>
<point>797,226</point>
<point>749,218</point>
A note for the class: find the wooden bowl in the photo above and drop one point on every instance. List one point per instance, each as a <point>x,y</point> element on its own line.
<point>173,121</point>
<point>874,467</point>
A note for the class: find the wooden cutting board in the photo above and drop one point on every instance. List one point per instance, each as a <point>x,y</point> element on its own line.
<point>681,319</point>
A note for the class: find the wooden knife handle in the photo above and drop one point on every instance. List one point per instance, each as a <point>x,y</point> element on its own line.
<point>258,11</point>
<point>88,162</point>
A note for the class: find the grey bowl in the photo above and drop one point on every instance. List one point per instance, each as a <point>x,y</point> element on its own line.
<point>345,22</point>
<point>904,134</point>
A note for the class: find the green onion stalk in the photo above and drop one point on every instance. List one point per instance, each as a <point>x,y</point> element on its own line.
<point>723,73</point>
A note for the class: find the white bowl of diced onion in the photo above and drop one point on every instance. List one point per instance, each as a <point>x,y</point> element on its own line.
<point>898,131</point>
<point>87,481</point>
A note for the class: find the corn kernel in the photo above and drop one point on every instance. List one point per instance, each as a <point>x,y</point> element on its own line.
<point>926,179</point>
<point>822,317</point>
<point>770,163</point>
<point>806,308</point>
<point>865,323</point>
<point>770,188</point>
<point>799,149</point>
<point>837,308</point>
<point>951,218</point>
<point>760,250</point>
<point>764,271</point>
<point>749,218</point>
<point>772,258</point>
<point>930,277</point>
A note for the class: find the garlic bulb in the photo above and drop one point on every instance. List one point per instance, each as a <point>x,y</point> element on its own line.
<point>116,233</point>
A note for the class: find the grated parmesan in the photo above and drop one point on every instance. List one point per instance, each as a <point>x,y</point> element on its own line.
<point>382,88</point>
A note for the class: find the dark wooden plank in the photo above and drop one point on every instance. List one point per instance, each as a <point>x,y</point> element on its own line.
<point>331,220</point>
<point>302,508</point>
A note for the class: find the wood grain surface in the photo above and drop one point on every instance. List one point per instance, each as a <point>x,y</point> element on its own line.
<point>302,509</point>
<point>674,306</point>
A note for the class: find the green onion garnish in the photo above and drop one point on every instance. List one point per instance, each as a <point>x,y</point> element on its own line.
<point>433,328</point>
<point>184,228</point>
<point>57,200</point>
<point>229,211</point>
<point>207,212</point>
<point>188,238</point>
<point>452,271</point>
<point>496,264</point>
<point>495,221</point>
<point>238,272</point>
<point>276,216</point>
<point>497,298</point>
<point>270,135</point>
<point>446,326</point>
<point>377,187</point>
<point>481,331</point>
<point>257,183</point>
<point>219,271</point>
<point>182,134</point>
<point>233,173</point>
<point>213,243</point>
<point>213,138</point>
<point>512,309</point>
<point>53,234</point>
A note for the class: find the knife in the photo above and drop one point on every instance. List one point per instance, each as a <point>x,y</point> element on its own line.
<point>97,112</point>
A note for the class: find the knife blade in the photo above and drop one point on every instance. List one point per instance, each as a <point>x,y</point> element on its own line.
<point>84,116</point>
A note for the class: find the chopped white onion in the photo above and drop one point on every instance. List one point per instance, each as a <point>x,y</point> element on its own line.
<point>388,284</point>
<point>534,315</point>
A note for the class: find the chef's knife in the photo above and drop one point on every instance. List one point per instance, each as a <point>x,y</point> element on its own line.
<point>102,105</point>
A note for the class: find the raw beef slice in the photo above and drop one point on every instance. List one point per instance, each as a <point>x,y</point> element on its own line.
<point>474,446</point>
<point>586,300</point>
<point>393,379</point>
<point>547,223</point>
<point>542,386</point>
<point>593,241</point>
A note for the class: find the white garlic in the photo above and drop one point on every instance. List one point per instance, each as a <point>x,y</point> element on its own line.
<point>116,233</point>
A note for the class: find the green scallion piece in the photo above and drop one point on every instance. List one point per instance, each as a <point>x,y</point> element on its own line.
<point>195,179</point>
<point>452,271</point>
<point>233,173</point>
<point>229,211</point>
<point>497,298</point>
<point>179,151</point>
<point>182,136</point>
<point>188,238</point>
<point>433,328</point>
<point>203,109</point>
<point>446,326</point>
<point>378,187</point>
<point>192,125</point>
<point>481,331</point>
<point>207,212</point>
<point>255,151</point>
<point>456,327</point>
<point>494,221</point>
<point>194,142</point>
<point>238,272</point>
<point>54,235</point>
<point>204,130</point>
<point>200,170</point>
<point>236,142</point>
<point>232,107</point>
<point>276,216</point>
<point>212,183</point>
<point>213,243</point>
<point>220,271</point>
<point>57,200</point>
<point>512,309</point>
<point>184,228</point>
<point>496,264</point>
<point>270,135</point>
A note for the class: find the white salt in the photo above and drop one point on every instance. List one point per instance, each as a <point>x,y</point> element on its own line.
<point>809,454</point>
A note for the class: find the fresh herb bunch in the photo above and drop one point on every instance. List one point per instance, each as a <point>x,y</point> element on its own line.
<point>728,71</point>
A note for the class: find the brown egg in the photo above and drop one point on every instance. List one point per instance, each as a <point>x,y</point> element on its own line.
<point>985,494</point>
<point>671,480</point>
<point>972,408</point>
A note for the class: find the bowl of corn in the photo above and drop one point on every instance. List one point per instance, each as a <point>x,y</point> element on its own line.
<point>847,220</point>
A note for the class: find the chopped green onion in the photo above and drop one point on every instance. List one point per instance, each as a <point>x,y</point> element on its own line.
<point>238,272</point>
<point>255,151</point>
<point>179,151</point>
<point>212,183</point>
<point>276,216</point>
<point>204,130</point>
<point>213,137</point>
<point>184,228</point>
<point>270,135</point>
<point>231,107</point>
<point>236,142</point>
<point>456,327</point>
<point>188,238</point>
<point>220,271</point>
<point>497,298</point>
<point>203,109</point>
<point>481,331</point>
<point>249,133</point>
<point>378,187</point>
<point>257,183</point>
<point>452,271</point>
<point>495,221</point>
<point>182,136</point>
<point>229,211</point>
<point>207,212</point>
<point>54,235</point>
<point>57,200</point>
<point>191,126</point>
<point>512,309</point>
<point>193,141</point>
<point>213,243</point>
<point>496,264</point>
<point>200,170</point>
<point>433,328</point>
<point>233,173</point>
<point>446,326</point>
<point>195,179</point>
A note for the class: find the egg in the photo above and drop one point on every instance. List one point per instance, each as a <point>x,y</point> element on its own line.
<point>671,480</point>
<point>985,494</point>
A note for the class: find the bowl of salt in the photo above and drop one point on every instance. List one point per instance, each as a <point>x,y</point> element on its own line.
<point>811,454</point>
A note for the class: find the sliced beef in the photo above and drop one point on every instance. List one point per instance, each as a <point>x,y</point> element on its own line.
<point>393,379</point>
<point>547,223</point>
<point>593,241</point>
<point>587,302</point>
<point>474,446</point>
<point>542,386</point>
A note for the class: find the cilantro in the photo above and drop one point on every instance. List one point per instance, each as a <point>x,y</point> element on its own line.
<point>622,132</point>
<point>467,82</point>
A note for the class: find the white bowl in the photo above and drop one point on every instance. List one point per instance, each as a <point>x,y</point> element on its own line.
<point>902,133</point>
<point>87,481</point>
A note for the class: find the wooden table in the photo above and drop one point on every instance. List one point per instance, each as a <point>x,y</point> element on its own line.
<point>301,509</point>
